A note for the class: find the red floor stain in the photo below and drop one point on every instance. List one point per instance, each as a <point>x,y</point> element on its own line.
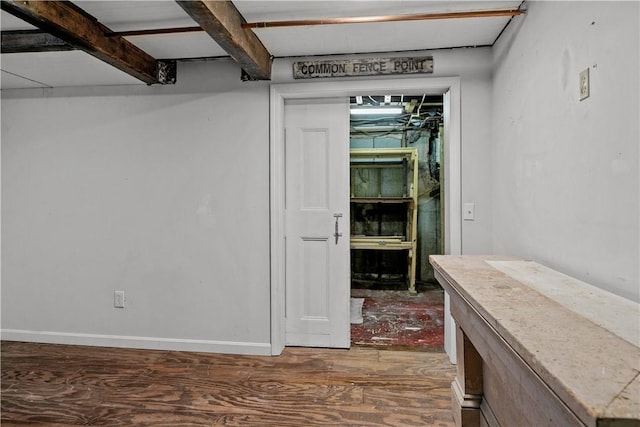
<point>398,319</point>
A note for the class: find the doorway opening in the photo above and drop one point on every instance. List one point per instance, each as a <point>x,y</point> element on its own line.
<point>279,93</point>
<point>397,219</point>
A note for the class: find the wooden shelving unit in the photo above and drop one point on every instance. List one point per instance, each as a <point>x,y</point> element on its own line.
<point>389,196</point>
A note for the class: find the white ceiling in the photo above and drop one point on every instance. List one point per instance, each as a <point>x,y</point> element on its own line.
<point>76,68</point>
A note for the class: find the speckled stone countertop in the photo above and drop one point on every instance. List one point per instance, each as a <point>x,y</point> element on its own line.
<point>592,365</point>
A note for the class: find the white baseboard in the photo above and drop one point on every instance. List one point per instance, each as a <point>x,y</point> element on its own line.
<point>146,343</point>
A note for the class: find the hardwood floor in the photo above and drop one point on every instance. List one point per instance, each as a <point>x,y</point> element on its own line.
<point>72,385</point>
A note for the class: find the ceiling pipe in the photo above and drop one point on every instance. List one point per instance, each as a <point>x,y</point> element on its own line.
<point>387,18</point>
<point>333,21</point>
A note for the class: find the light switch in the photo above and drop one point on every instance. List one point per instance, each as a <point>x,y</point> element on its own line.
<point>469,211</point>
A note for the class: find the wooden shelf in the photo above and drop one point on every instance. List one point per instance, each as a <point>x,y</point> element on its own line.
<point>381,245</point>
<point>382,200</point>
<point>383,153</point>
<point>402,203</point>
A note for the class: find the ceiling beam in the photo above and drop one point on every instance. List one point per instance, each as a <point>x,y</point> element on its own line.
<point>222,21</point>
<point>21,41</point>
<point>386,18</point>
<point>155,31</point>
<point>76,27</point>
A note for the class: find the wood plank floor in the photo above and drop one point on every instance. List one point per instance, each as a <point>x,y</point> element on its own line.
<point>72,385</point>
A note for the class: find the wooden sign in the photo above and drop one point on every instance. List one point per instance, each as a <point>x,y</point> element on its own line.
<point>362,67</point>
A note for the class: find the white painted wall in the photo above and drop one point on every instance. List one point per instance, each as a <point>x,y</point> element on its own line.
<point>565,173</point>
<point>163,192</point>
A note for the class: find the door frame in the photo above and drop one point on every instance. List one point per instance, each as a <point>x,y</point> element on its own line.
<point>448,86</point>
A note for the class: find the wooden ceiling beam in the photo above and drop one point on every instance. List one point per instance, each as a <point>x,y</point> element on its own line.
<point>74,26</point>
<point>155,31</point>
<point>21,41</point>
<point>222,21</point>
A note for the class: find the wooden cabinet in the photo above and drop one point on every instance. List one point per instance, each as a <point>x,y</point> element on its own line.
<point>384,203</point>
<point>538,348</point>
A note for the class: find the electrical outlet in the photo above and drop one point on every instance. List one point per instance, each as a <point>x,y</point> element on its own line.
<point>118,299</point>
<point>584,84</point>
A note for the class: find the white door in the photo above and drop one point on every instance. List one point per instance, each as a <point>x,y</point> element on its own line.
<point>317,271</point>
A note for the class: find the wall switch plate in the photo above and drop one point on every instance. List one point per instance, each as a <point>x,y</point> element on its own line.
<point>118,299</point>
<point>469,211</point>
<point>584,84</point>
